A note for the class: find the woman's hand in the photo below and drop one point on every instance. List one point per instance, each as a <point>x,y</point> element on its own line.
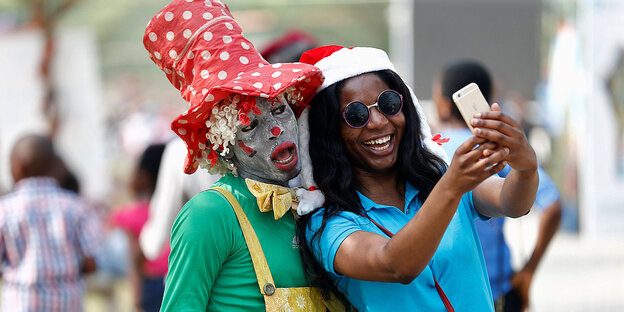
<point>474,161</point>
<point>501,129</point>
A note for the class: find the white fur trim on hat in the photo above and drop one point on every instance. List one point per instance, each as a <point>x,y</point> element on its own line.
<point>340,64</point>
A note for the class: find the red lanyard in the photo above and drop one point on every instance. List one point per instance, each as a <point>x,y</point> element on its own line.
<point>445,300</point>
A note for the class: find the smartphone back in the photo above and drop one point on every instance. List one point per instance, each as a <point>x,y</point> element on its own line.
<point>469,101</point>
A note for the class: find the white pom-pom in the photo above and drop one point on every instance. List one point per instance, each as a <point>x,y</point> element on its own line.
<point>309,201</point>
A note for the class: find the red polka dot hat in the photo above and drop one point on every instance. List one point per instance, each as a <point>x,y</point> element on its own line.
<point>204,54</point>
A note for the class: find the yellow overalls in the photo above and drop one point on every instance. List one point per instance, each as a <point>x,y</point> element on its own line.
<point>278,299</point>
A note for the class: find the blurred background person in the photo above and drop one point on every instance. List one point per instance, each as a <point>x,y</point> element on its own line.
<point>48,235</point>
<point>288,47</point>
<point>510,289</point>
<point>172,190</point>
<point>146,276</point>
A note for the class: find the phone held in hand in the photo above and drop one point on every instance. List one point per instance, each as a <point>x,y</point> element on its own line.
<point>469,101</point>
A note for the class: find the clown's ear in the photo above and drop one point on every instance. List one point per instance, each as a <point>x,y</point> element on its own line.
<point>228,155</point>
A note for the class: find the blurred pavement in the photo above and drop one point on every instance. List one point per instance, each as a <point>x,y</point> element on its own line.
<point>580,275</point>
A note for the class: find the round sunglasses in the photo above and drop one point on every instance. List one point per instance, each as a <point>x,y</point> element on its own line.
<point>356,114</point>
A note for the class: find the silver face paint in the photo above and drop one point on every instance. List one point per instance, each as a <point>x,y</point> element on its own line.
<point>274,158</point>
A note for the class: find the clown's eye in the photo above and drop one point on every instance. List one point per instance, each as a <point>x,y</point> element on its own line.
<point>278,110</point>
<point>251,126</point>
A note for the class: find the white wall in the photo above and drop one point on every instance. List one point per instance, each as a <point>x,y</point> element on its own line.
<point>601,189</point>
<point>80,139</point>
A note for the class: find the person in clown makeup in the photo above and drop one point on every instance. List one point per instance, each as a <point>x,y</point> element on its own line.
<point>233,247</point>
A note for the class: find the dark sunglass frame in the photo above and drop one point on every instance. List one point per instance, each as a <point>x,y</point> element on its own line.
<point>368,107</point>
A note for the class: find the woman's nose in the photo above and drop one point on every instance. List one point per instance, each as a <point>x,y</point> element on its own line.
<point>376,118</point>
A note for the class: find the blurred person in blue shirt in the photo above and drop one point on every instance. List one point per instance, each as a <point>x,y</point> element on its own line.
<point>510,289</point>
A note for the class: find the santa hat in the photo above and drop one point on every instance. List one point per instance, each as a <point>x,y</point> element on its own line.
<point>339,63</point>
<point>204,54</point>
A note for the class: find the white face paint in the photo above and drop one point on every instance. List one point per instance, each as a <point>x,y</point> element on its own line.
<point>266,149</point>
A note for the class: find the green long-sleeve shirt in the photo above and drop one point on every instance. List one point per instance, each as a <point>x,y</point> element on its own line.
<point>210,268</point>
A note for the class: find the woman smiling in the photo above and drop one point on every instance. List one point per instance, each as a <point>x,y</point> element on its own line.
<point>397,230</point>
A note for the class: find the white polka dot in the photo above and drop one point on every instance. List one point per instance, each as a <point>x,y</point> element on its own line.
<point>205,55</point>
<point>210,98</point>
<point>276,74</point>
<point>182,131</point>
<point>189,0</point>
<point>264,95</point>
<point>207,36</point>
<point>153,37</point>
<point>170,35</point>
<point>208,3</point>
<point>276,65</point>
<point>190,55</point>
<point>244,60</point>
<point>239,88</point>
<point>180,73</point>
<point>258,85</point>
<point>224,56</point>
<point>227,39</point>
<point>222,75</point>
<point>182,121</point>
<point>239,74</point>
<point>157,55</point>
<point>204,91</point>
<point>207,15</point>
<point>193,71</point>
<point>277,86</point>
<point>296,70</point>
<point>204,74</point>
<point>187,15</point>
<point>187,33</point>
<point>244,93</point>
<point>245,45</point>
<point>168,16</point>
<point>167,71</point>
<point>261,65</point>
<point>256,74</point>
<point>229,26</point>
<point>173,54</point>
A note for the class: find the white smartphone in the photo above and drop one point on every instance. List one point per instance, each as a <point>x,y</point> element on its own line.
<point>469,101</point>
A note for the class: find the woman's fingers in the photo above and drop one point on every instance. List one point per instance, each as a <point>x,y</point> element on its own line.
<point>496,158</point>
<point>484,150</point>
<point>469,145</point>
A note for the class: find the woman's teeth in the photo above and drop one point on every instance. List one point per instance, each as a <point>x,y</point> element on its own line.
<point>379,144</point>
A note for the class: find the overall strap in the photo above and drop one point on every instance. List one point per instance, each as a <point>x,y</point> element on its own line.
<point>261,267</point>
<point>445,299</point>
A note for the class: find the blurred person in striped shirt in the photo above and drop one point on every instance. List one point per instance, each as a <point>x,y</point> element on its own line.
<point>48,235</point>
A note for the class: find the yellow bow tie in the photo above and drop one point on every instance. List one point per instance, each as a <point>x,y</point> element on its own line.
<point>273,197</point>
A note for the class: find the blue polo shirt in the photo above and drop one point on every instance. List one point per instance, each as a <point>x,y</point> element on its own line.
<point>458,264</point>
<point>495,248</point>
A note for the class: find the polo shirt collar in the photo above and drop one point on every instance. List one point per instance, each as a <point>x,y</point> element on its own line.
<point>368,204</point>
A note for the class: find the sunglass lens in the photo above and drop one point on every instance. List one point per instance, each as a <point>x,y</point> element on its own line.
<point>389,103</point>
<point>356,114</point>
